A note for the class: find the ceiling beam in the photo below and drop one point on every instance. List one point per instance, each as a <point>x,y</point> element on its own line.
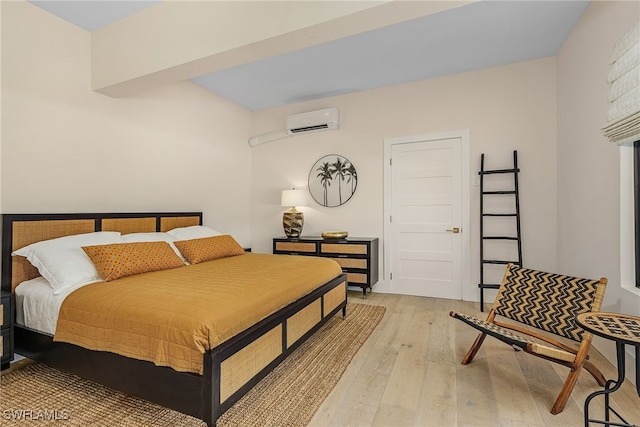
<point>177,40</point>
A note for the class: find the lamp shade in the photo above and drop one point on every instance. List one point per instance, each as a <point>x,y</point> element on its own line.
<point>293,198</point>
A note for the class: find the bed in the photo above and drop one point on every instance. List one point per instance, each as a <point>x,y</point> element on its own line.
<point>228,370</point>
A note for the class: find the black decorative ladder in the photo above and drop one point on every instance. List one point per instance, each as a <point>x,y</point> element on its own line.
<point>484,239</point>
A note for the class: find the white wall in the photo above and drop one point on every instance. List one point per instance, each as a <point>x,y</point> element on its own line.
<point>66,148</point>
<point>505,108</point>
<point>588,164</point>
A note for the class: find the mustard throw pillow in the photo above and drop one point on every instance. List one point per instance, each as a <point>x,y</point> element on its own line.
<point>208,248</point>
<point>126,259</point>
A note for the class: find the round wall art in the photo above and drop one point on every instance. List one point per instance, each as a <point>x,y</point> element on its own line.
<point>333,180</point>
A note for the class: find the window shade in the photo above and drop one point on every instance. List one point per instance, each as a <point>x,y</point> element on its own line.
<point>623,124</point>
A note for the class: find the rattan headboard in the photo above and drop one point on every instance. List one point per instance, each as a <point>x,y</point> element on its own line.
<point>19,230</point>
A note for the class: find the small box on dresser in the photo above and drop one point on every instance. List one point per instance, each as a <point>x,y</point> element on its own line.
<point>358,256</point>
<point>6,329</point>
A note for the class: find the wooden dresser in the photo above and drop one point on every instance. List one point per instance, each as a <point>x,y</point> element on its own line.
<point>6,329</point>
<point>358,256</point>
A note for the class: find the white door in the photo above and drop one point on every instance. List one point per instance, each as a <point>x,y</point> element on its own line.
<point>426,218</point>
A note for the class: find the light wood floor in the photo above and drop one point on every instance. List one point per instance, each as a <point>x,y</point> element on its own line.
<point>408,373</point>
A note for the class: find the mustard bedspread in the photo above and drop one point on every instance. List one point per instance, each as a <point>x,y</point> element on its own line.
<point>173,317</point>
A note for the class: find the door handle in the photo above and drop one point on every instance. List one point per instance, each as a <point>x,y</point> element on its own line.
<point>453,230</point>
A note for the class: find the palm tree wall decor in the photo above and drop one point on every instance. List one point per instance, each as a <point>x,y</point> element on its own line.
<point>337,170</point>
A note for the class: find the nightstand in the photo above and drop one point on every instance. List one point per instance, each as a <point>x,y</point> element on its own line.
<point>358,256</point>
<point>6,329</point>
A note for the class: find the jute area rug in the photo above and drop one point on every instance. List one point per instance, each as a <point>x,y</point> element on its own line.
<point>288,396</point>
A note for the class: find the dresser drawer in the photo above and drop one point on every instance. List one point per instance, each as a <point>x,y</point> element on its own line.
<point>5,343</point>
<point>343,248</point>
<point>360,263</point>
<point>360,278</point>
<point>295,247</point>
<point>5,313</point>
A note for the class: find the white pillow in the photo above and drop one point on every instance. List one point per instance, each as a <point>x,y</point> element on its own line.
<point>63,262</point>
<point>153,237</point>
<point>193,232</point>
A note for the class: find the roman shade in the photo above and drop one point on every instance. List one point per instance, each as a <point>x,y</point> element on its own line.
<point>623,123</point>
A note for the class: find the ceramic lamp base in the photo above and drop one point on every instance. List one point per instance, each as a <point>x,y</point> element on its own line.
<point>292,223</point>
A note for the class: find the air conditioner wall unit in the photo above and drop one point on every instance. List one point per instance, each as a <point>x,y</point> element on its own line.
<point>313,121</point>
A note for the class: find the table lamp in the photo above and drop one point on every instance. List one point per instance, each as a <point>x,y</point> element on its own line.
<point>292,220</point>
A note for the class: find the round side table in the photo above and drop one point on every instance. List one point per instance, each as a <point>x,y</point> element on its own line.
<point>624,330</point>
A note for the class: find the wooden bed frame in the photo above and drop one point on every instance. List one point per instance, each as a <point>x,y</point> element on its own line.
<point>230,370</point>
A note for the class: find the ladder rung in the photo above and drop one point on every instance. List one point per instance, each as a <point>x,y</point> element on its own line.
<point>495,261</point>
<point>498,214</point>
<point>488,286</point>
<point>489,172</point>
<point>499,238</point>
<point>499,192</point>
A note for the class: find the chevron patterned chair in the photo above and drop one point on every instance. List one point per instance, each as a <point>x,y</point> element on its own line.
<point>547,302</point>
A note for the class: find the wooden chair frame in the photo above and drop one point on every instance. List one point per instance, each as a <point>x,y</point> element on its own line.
<point>553,318</point>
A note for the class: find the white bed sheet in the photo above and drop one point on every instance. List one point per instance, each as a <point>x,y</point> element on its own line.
<point>36,305</point>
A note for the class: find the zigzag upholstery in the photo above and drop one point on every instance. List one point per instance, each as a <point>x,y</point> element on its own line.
<point>549,302</point>
<point>545,301</point>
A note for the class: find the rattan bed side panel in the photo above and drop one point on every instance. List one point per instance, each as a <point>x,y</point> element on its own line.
<point>301,322</point>
<point>238,369</point>
<point>169,223</point>
<point>334,298</point>
<point>28,232</point>
<point>129,225</point>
